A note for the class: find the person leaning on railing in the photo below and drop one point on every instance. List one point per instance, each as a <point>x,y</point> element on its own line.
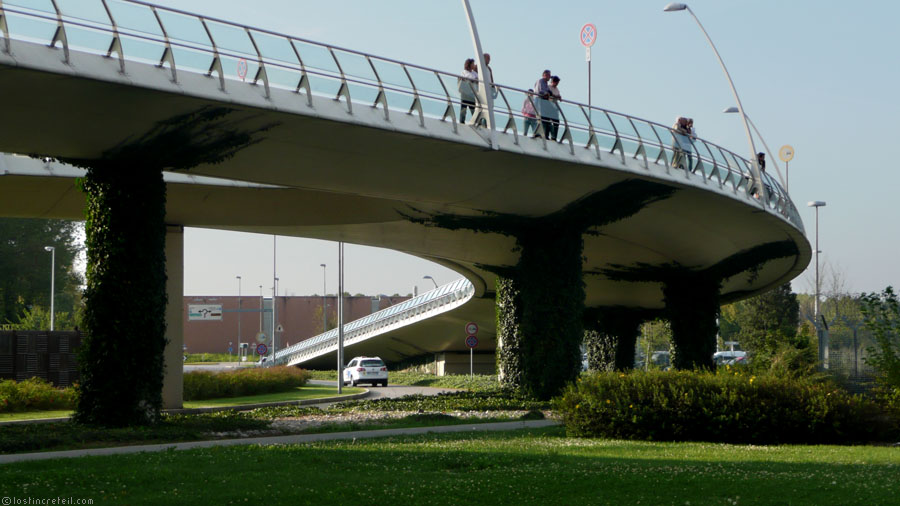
<point>542,90</point>
<point>466,84</point>
<point>529,113</point>
<point>553,108</point>
<point>681,147</point>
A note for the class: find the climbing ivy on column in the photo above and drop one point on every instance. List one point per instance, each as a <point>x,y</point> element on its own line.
<point>121,356</point>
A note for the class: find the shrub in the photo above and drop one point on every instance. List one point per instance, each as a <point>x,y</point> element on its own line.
<point>726,407</point>
<point>200,385</point>
<point>192,358</point>
<point>882,317</point>
<point>34,394</point>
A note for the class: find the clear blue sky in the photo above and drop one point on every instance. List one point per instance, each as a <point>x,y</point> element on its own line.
<point>819,75</point>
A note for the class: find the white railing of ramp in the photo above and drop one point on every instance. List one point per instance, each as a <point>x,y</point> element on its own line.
<point>432,303</point>
<point>138,31</point>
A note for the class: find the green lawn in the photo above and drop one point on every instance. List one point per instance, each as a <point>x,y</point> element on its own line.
<point>306,392</point>
<point>34,415</point>
<point>301,393</point>
<point>519,467</point>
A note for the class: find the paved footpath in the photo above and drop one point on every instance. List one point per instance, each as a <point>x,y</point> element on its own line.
<point>278,440</point>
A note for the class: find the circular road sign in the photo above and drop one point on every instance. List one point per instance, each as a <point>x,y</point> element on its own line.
<point>588,35</point>
<point>242,68</point>
<point>471,328</point>
<point>261,337</point>
<point>262,349</point>
<point>786,153</point>
<point>471,341</point>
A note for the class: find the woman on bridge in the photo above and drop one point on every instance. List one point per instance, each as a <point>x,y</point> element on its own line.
<point>467,83</point>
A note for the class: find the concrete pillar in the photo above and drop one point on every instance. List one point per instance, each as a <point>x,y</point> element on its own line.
<point>173,381</point>
<point>610,336</point>
<point>692,305</point>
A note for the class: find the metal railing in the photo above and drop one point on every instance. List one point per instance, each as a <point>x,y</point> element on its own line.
<point>426,305</point>
<point>137,31</point>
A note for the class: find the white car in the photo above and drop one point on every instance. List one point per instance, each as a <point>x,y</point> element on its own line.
<point>735,357</point>
<point>366,370</point>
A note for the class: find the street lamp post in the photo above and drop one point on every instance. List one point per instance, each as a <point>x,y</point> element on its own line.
<point>762,192</point>
<point>324,299</point>
<point>432,280</point>
<point>52,251</point>
<point>239,318</point>
<point>732,110</point>
<point>823,342</point>
<point>260,308</point>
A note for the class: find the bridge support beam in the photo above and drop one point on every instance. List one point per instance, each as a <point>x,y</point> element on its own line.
<point>539,307</point>
<point>692,306</point>
<point>173,381</point>
<point>610,335</point>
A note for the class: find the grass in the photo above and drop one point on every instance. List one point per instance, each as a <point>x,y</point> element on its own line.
<point>301,393</point>
<point>34,415</point>
<point>519,467</point>
<point>479,382</point>
<point>297,394</point>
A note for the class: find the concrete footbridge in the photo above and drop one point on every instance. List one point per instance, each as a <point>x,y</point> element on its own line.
<point>369,150</point>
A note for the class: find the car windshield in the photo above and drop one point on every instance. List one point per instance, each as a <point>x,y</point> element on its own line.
<point>372,363</point>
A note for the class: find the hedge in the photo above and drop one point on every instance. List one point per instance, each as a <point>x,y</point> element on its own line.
<point>722,407</point>
<point>34,394</point>
<point>201,385</point>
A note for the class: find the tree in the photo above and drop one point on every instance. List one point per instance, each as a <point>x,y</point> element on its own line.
<point>317,319</point>
<point>882,317</point>
<point>25,265</point>
<point>768,321</point>
<point>38,318</point>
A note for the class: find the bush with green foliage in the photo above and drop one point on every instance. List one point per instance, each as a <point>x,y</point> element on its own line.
<point>882,317</point>
<point>201,385</point>
<point>727,406</point>
<point>193,358</point>
<point>34,394</point>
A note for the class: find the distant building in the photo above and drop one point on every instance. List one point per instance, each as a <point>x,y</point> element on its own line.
<point>211,322</point>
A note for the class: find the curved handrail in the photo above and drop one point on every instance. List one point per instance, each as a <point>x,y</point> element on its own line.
<point>456,291</point>
<point>728,168</point>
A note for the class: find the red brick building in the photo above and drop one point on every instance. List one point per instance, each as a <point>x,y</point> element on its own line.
<point>300,318</point>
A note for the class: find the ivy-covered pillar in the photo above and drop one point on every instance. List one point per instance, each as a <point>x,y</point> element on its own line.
<point>122,358</point>
<point>539,312</point>
<point>121,355</point>
<point>610,336</point>
<point>173,380</point>
<point>692,306</point>
<point>509,333</point>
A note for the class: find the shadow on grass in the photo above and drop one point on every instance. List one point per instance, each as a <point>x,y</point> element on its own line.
<point>521,467</point>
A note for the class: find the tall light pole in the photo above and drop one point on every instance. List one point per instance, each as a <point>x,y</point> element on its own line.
<point>683,7</point>
<point>340,350</point>
<point>432,280</point>
<point>274,291</point>
<point>239,318</point>
<point>823,344</point>
<point>324,299</point>
<point>52,251</point>
<point>732,110</point>
<point>260,308</point>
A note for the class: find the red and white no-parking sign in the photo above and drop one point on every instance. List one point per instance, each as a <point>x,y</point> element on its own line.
<point>588,35</point>
<point>471,341</point>
<point>262,349</point>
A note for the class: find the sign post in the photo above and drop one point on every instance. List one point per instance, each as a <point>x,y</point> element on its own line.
<point>786,153</point>
<point>471,342</point>
<point>588,37</point>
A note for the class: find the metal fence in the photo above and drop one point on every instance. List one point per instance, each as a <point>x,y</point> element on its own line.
<point>39,353</point>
